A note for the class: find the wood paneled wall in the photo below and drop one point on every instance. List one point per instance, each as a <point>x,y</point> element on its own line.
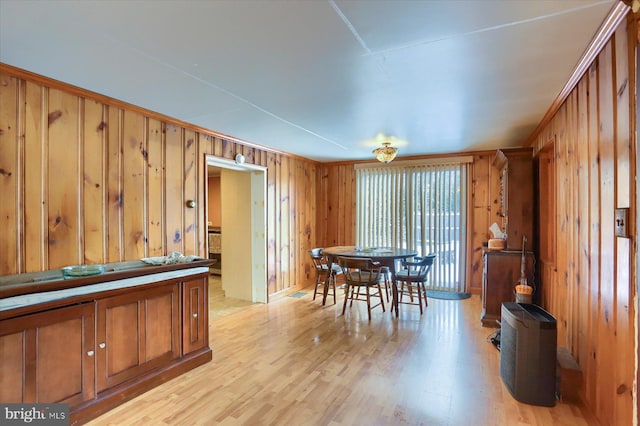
<point>588,285</point>
<point>336,214</point>
<point>89,179</point>
<point>484,210</point>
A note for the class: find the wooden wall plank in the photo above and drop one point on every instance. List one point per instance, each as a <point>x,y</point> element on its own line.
<point>310,211</point>
<point>624,312</point>
<point>296,179</point>
<point>35,171</point>
<point>590,368</point>
<point>582,185</point>
<point>190,193</point>
<point>479,217</point>
<point>94,182</point>
<point>9,172</point>
<point>560,295</point>
<point>217,147</point>
<point>228,150</point>
<point>333,207</point>
<point>156,235</point>
<point>495,215</point>
<point>284,219</point>
<point>341,202</point>
<point>606,324</point>
<point>134,152</point>
<point>625,335</point>
<point>272,235</point>
<point>204,147</point>
<point>572,199</point>
<point>623,134</point>
<point>353,204</point>
<point>174,199</point>
<point>302,244</point>
<point>64,188</point>
<point>114,186</point>
<point>349,205</point>
<point>323,203</point>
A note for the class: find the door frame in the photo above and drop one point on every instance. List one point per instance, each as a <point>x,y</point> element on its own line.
<point>258,221</point>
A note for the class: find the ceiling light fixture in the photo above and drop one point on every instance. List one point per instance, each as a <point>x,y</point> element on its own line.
<point>386,153</point>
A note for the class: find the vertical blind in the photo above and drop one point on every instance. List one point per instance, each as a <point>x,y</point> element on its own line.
<point>421,207</point>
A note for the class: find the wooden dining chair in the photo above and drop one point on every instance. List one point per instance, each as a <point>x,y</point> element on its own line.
<point>413,278</point>
<point>385,273</point>
<point>361,273</point>
<point>322,269</point>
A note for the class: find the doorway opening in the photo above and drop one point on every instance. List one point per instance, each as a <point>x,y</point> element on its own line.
<point>236,219</point>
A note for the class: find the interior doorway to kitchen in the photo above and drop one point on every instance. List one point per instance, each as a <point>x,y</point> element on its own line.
<point>236,215</point>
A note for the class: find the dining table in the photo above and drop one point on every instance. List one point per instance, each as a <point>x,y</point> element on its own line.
<point>386,256</point>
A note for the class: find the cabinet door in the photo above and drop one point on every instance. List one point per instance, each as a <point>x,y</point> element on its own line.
<point>502,274</point>
<point>48,357</point>
<point>137,332</point>
<point>195,309</point>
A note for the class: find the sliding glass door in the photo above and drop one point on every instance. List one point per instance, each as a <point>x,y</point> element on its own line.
<point>420,207</point>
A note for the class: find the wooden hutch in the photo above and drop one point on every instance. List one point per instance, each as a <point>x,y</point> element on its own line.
<point>95,342</point>
<point>501,269</point>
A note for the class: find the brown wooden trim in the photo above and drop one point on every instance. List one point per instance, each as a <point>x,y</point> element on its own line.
<point>602,36</point>
<point>635,266</point>
<point>78,91</point>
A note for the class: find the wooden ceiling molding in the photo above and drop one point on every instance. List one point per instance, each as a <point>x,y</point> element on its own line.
<point>617,14</point>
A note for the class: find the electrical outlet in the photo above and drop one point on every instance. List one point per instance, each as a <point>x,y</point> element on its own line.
<point>622,219</point>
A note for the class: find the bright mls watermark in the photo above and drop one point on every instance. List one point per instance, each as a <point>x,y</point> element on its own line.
<point>34,414</point>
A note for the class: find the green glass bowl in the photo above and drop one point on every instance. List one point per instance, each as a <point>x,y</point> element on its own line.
<point>81,271</point>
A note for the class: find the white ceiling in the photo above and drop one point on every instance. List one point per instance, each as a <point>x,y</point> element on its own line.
<point>317,78</point>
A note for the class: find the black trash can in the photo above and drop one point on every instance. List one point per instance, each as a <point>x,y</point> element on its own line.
<point>528,345</point>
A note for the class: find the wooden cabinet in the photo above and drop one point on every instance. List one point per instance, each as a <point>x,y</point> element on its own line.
<point>48,357</point>
<point>137,332</point>
<point>501,269</point>
<point>107,340</point>
<point>195,314</point>
<point>501,273</point>
<point>516,199</point>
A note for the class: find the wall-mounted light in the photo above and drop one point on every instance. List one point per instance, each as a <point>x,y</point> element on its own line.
<point>239,159</point>
<point>191,204</point>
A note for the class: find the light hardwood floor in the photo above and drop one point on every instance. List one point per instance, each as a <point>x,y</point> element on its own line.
<point>295,362</point>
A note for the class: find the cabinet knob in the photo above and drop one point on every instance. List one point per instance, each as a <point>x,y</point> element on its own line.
<point>90,353</point>
<point>195,315</point>
<point>102,345</point>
